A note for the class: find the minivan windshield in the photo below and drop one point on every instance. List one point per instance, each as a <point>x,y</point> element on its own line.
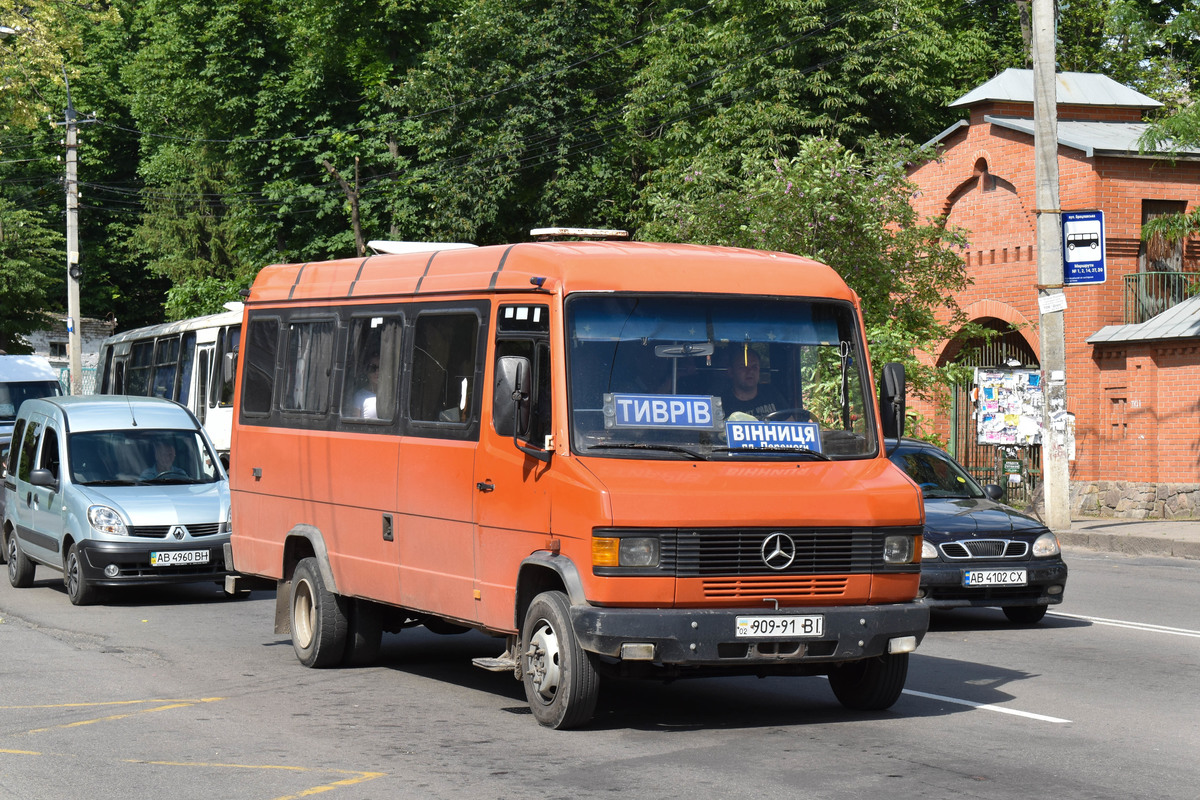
<point>708,377</point>
<point>138,457</point>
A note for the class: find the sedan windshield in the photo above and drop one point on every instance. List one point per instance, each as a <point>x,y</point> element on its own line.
<point>937,474</point>
<point>717,377</point>
<point>128,457</point>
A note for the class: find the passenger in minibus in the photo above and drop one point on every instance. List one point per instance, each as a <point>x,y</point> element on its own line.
<point>364,398</point>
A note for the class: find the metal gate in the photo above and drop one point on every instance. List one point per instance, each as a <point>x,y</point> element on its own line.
<point>990,463</point>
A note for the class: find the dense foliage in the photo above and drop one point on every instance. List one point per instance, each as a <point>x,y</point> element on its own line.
<point>221,135</point>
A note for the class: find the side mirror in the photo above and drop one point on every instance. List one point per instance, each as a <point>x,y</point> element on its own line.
<point>228,367</point>
<point>891,400</point>
<point>44,478</point>
<point>993,491</point>
<point>511,402</point>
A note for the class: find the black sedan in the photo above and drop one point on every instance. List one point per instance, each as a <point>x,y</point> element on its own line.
<point>977,551</point>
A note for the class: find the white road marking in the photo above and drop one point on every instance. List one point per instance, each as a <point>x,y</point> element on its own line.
<point>986,707</point>
<point>1137,626</point>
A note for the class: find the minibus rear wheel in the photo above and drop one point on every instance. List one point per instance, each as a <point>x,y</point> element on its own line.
<point>319,618</point>
<point>561,683</point>
<point>872,684</point>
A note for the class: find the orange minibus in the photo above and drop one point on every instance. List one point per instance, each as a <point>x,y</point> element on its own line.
<point>622,459</point>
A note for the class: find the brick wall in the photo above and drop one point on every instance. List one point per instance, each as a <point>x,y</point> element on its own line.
<point>1137,409</point>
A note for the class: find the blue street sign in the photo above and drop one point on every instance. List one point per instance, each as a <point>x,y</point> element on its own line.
<point>1083,247</point>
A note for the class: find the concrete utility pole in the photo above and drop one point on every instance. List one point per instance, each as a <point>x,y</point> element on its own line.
<point>74,346</point>
<point>1051,300</point>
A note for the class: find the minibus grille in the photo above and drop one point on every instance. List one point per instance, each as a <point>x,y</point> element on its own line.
<point>707,552</point>
<point>162,531</point>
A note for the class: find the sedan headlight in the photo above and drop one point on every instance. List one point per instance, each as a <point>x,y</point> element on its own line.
<point>107,520</point>
<point>1046,545</point>
<point>928,551</point>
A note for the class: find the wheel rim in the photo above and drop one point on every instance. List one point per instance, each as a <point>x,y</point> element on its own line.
<point>73,575</point>
<point>302,615</point>
<point>12,558</point>
<point>542,661</point>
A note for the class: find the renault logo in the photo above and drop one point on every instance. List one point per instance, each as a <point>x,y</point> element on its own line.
<point>178,531</point>
<point>778,551</point>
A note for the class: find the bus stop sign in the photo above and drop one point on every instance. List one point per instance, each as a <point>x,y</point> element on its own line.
<point>1083,247</point>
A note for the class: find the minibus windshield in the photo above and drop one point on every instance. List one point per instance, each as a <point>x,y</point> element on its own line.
<point>129,458</point>
<point>717,377</point>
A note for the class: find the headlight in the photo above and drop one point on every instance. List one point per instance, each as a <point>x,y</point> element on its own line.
<point>625,551</point>
<point>106,520</point>
<point>928,551</point>
<point>1046,545</point>
<point>898,549</point>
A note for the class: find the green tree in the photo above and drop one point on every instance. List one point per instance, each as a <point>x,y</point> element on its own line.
<point>29,252</point>
<point>847,208</point>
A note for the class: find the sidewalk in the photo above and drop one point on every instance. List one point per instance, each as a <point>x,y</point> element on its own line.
<point>1172,538</point>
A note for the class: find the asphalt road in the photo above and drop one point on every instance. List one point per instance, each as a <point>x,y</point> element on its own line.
<point>178,693</point>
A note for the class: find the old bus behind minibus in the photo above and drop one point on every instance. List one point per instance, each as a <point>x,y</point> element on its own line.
<point>181,361</point>
<point>544,442</point>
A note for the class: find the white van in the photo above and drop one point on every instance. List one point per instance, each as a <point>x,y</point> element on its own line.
<point>113,491</point>
<point>22,378</point>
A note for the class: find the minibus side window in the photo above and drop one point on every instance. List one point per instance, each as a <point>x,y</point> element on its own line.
<point>258,379</point>
<point>443,367</point>
<point>372,368</point>
<point>538,354</point>
<point>308,366</point>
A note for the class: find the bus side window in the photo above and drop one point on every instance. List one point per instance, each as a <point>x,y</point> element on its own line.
<point>258,379</point>
<point>308,366</point>
<point>141,362</point>
<point>443,369</point>
<point>372,368</point>
<point>231,340</point>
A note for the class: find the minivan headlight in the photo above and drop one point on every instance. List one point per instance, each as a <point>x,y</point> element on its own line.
<point>107,520</point>
<point>1046,545</point>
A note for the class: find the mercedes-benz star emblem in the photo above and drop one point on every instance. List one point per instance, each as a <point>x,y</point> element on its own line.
<point>178,531</point>
<point>778,551</point>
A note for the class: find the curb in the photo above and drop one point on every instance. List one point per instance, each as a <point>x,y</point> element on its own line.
<point>1130,545</point>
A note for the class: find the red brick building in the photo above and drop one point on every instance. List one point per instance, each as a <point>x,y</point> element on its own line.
<point>1132,342</point>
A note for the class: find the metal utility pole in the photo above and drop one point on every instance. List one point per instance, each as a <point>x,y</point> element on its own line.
<point>1051,300</point>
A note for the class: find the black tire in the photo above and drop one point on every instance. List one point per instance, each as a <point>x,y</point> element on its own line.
<point>319,618</point>
<point>872,684</point>
<point>20,568</point>
<point>364,634</point>
<point>561,683</point>
<point>79,589</point>
<point>1025,615</point>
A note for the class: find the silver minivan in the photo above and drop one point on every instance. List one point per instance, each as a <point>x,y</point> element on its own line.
<point>112,491</point>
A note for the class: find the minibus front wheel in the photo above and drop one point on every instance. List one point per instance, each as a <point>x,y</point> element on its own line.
<point>561,683</point>
<point>871,684</point>
<point>319,618</point>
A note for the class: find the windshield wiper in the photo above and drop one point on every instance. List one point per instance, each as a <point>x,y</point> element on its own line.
<point>670,448</point>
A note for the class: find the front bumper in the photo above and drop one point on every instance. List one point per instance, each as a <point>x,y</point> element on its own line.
<point>706,637</point>
<point>942,584</point>
<point>132,560</point>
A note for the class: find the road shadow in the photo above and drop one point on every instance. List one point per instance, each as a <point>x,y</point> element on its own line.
<point>964,620</point>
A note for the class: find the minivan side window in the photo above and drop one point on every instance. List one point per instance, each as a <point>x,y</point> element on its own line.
<point>28,450</point>
<point>14,446</point>
<point>48,458</point>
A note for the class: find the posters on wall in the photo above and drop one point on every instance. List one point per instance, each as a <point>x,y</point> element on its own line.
<point>1008,406</point>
